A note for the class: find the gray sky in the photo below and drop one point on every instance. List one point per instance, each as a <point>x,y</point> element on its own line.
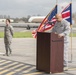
<point>22,8</point>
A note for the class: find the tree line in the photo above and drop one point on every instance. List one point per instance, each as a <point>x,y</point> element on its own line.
<point>25,19</point>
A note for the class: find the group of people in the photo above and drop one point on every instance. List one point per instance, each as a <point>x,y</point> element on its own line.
<point>61,27</point>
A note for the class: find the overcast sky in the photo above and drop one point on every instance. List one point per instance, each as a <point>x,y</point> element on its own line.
<point>22,8</point>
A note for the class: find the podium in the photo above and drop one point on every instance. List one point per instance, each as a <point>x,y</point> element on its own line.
<point>50,50</point>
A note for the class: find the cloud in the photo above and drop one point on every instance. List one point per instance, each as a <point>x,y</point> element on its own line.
<point>19,8</point>
<point>64,4</point>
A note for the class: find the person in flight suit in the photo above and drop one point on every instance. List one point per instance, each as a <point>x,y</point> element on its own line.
<point>62,28</point>
<point>8,34</point>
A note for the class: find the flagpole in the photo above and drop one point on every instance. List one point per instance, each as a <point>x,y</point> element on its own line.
<point>56,2</point>
<point>71,1</point>
<point>71,33</point>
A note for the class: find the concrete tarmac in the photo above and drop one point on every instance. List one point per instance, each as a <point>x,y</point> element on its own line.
<point>24,52</point>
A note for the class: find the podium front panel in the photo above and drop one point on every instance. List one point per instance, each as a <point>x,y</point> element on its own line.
<point>56,53</point>
<point>49,52</point>
<point>43,52</point>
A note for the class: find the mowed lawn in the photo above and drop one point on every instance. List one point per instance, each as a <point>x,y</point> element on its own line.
<point>19,34</point>
<point>27,34</point>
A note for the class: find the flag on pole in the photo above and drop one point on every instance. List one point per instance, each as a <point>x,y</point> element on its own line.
<point>47,23</point>
<point>67,13</point>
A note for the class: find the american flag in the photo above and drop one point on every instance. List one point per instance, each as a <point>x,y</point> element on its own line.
<point>47,23</point>
<point>67,13</point>
<point>49,20</point>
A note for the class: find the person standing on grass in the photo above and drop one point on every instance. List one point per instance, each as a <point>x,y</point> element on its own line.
<point>8,34</point>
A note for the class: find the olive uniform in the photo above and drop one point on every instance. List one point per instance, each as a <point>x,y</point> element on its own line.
<point>63,28</point>
<point>8,34</point>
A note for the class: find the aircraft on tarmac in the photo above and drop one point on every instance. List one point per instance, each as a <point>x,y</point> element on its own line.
<point>36,19</point>
<point>33,22</point>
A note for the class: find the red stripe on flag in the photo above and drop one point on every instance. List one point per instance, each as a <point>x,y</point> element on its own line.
<point>66,14</point>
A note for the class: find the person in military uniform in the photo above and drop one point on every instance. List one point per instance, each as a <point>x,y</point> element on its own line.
<point>8,34</point>
<point>62,28</point>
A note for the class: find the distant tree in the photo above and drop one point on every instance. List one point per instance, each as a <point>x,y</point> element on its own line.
<point>16,20</point>
<point>9,16</point>
<point>5,17</point>
<point>24,19</point>
<point>1,16</point>
<point>28,16</point>
<point>38,15</point>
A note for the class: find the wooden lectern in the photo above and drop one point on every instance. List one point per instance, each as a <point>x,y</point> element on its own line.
<point>50,50</point>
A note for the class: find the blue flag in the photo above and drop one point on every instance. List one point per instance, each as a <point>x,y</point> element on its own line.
<point>67,13</point>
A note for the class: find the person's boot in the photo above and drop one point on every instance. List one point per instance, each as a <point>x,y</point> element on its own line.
<point>65,68</point>
<point>10,52</point>
<point>7,54</point>
<point>4,54</point>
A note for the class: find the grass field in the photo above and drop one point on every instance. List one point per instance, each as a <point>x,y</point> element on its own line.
<point>22,35</point>
<point>25,34</point>
<point>19,35</point>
